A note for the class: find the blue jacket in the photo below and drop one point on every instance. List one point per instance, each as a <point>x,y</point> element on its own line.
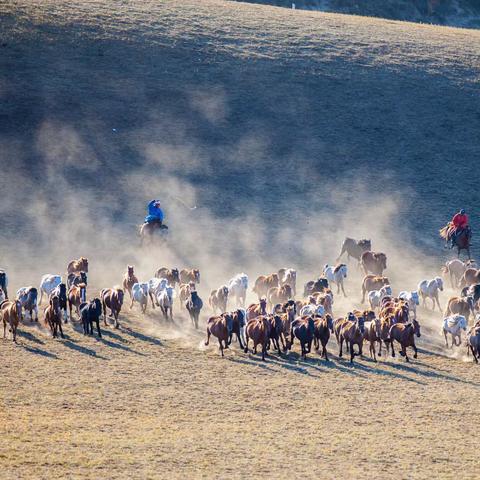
<point>154,211</point>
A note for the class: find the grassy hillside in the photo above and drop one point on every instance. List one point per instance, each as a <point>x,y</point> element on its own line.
<point>459,13</point>
<point>276,105</point>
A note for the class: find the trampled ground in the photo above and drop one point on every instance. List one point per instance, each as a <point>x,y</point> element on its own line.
<point>150,401</point>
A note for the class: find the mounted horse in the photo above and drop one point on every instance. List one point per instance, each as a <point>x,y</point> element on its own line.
<point>461,240</point>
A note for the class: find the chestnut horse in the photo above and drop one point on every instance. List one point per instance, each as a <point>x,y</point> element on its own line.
<point>113,299</point>
<point>11,312</point>
<point>264,283</point>
<point>129,279</point>
<point>373,262</point>
<point>187,276</point>
<point>258,330</point>
<point>172,275</point>
<point>405,335</point>
<point>221,327</point>
<point>53,316</point>
<point>77,266</point>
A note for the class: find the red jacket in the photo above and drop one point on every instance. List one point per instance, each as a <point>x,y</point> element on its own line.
<point>460,221</point>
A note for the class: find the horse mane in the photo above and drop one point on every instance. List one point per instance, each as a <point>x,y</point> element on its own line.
<point>338,267</point>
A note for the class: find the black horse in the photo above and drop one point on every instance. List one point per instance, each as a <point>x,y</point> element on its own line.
<point>91,312</point>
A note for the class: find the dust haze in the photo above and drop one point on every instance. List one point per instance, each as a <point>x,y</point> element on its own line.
<point>72,209</point>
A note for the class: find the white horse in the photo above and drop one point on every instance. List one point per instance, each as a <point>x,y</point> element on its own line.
<point>165,301</point>
<point>454,326</point>
<point>312,310</point>
<point>430,288</point>
<point>155,287</point>
<point>336,275</point>
<point>455,269</point>
<point>288,276</point>
<point>237,287</point>
<point>27,296</point>
<point>140,295</point>
<point>413,300</point>
<point>48,283</point>
<point>376,296</point>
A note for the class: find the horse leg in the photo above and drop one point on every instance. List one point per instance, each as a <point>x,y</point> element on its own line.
<point>4,329</point>
<point>221,347</point>
<point>246,343</point>
<point>352,353</point>
<point>379,348</point>
<point>340,353</point>
<point>207,341</point>
<point>414,349</point>
<point>404,349</point>
<point>343,289</point>
<point>97,321</point>
<point>438,303</point>
<point>324,352</point>
<point>474,355</point>
<point>446,338</point>
<point>60,328</point>
<point>393,349</point>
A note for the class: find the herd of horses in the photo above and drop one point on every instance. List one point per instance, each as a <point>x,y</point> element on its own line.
<point>278,319</point>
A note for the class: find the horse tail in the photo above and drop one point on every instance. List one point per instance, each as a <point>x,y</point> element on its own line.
<point>444,231</point>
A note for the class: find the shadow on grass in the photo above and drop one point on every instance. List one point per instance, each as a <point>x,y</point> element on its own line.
<point>29,336</point>
<point>39,351</point>
<point>81,349</point>
<point>141,336</point>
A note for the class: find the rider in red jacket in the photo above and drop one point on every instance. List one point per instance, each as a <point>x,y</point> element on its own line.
<point>459,222</point>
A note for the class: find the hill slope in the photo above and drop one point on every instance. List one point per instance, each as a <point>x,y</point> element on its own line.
<point>459,13</point>
<point>270,110</point>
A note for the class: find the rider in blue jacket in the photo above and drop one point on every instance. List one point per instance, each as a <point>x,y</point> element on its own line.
<point>155,213</point>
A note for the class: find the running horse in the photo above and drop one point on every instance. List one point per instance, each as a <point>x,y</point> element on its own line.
<point>461,241</point>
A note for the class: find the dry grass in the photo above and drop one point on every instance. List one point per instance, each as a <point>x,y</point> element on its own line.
<point>150,401</point>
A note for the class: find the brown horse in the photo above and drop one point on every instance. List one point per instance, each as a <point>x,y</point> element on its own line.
<point>351,333</point>
<point>473,342</point>
<point>258,330</point>
<point>470,277</point>
<point>76,295</point>
<point>11,312</point>
<point>171,275</point>
<point>113,299</point>
<point>286,319</point>
<point>184,292</point>
<point>218,299</point>
<point>461,240</point>
<point>373,282</point>
<point>354,249</point>
<point>405,335</point>
<point>373,262</point>
<point>256,309</point>
<point>187,276</point>
<point>372,335</point>
<point>129,280</point>
<point>264,283</point>
<point>323,328</point>
<point>462,306</point>
<point>53,316</point>
<point>150,232</point>
<point>275,332</point>
<point>279,294</point>
<point>77,266</point>
<point>221,327</point>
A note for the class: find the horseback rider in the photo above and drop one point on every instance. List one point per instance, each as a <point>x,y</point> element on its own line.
<point>458,224</point>
<point>155,214</point>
